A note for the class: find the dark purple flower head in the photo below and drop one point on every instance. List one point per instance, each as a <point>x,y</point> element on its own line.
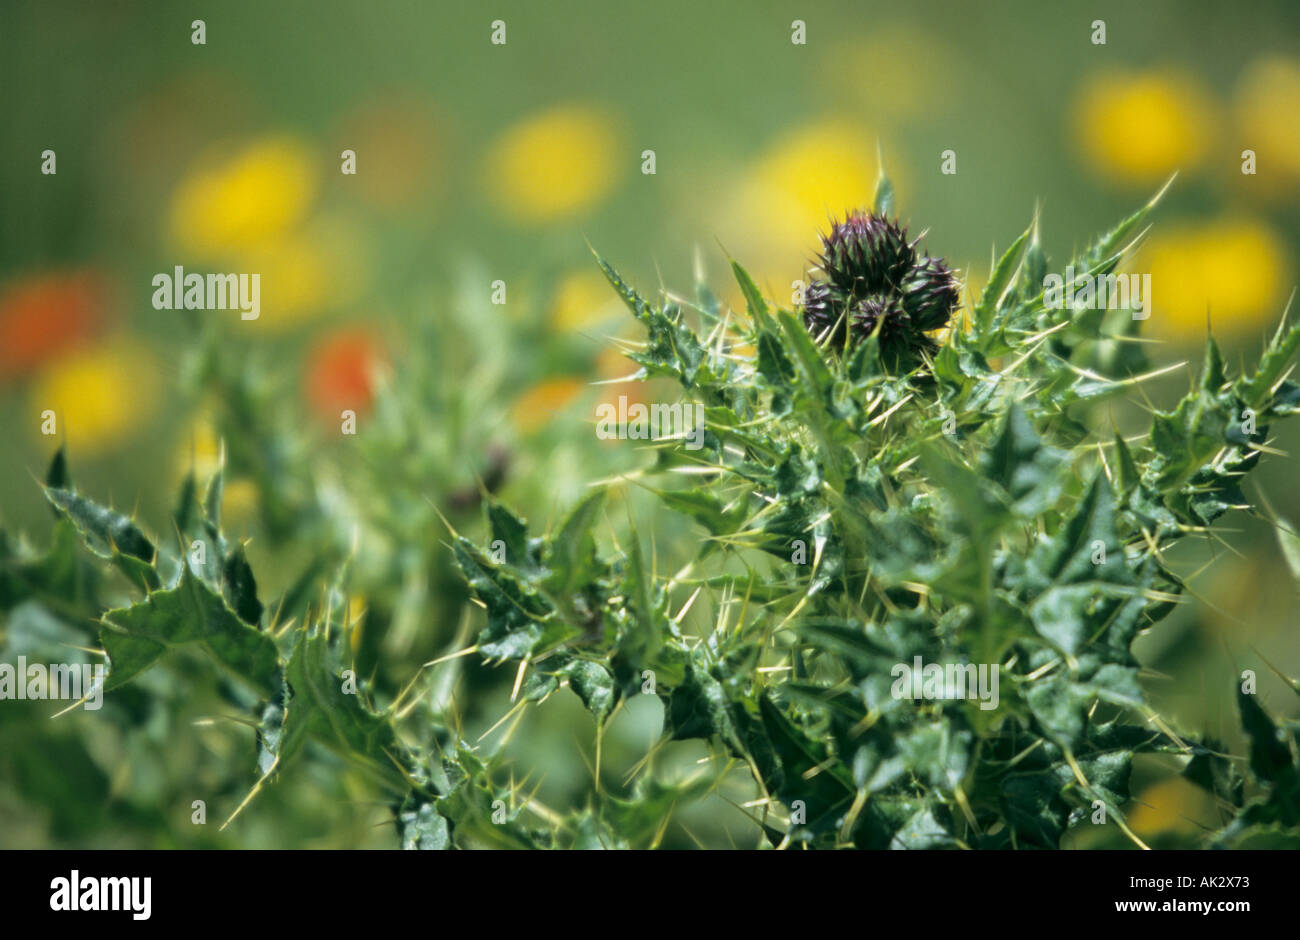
<point>873,280</point>
<point>866,254</point>
<point>931,293</point>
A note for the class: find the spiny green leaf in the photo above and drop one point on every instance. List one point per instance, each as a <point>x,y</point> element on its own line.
<point>571,558</point>
<point>883,203</point>
<point>595,686</point>
<point>58,477</point>
<point>697,708</point>
<point>754,301</point>
<point>1272,365</point>
<point>105,532</point>
<point>1271,759</point>
<point>1024,466</point>
<point>191,613</point>
<point>109,535</point>
<point>421,827</point>
<point>1105,251</point>
<point>824,786</point>
<point>806,355</point>
<point>512,532</point>
<point>1082,564</point>
<point>313,703</point>
<point>1127,476</point>
<point>240,588</point>
<point>999,279</point>
<point>521,621</point>
<point>923,831</point>
<point>635,302</point>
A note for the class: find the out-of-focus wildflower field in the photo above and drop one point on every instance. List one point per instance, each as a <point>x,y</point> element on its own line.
<point>478,163</point>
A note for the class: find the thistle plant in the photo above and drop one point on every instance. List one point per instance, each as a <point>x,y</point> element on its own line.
<point>870,494</point>
<point>868,498</point>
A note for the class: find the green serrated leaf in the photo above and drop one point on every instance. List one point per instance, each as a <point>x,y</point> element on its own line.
<point>571,559</point>
<point>57,476</point>
<point>754,301</point>
<point>315,702</point>
<point>190,614</point>
<point>1024,466</point>
<point>109,535</point>
<point>1085,562</point>
<point>999,280</point>
<point>595,686</point>
<point>240,588</point>
<point>1279,355</point>
<point>883,202</point>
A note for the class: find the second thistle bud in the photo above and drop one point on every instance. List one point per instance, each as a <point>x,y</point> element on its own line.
<point>931,293</point>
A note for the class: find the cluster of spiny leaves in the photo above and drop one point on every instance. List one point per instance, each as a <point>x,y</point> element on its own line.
<point>286,666</point>
<point>321,680</point>
<point>960,511</point>
<point>951,508</point>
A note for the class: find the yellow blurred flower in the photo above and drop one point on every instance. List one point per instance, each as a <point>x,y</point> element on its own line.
<point>1267,103</point>
<point>321,267</point>
<point>239,501</point>
<point>583,300</point>
<point>99,394</point>
<point>815,172</point>
<point>1138,127</point>
<point>1233,268</point>
<point>295,279</point>
<point>199,450</point>
<point>1171,806</point>
<point>258,194</point>
<point>544,401</point>
<point>553,164</point>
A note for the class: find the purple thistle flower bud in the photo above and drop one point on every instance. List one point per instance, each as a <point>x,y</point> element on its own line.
<point>873,279</point>
<point>931,293</point>
<point>865,254</point>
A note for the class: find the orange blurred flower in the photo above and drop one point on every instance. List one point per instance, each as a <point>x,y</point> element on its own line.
<point>536,407</point>
<point>44,315</point>
<point>341,371</point>
<point>399,159</point>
